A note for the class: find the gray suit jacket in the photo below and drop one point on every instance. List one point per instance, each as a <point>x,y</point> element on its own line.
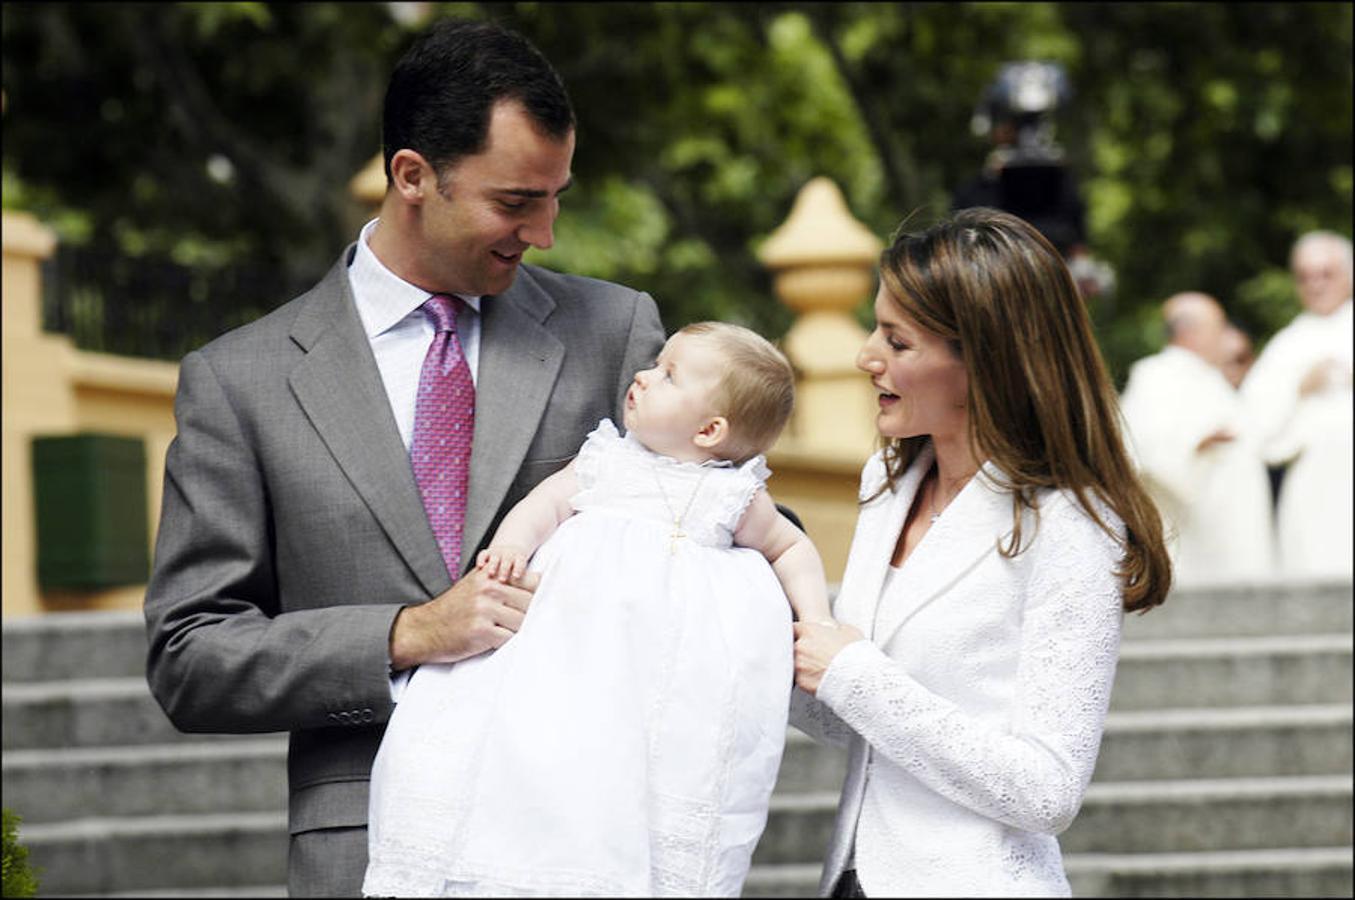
<point>292,530</point>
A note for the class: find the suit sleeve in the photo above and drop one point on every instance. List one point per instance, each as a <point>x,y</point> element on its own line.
<point>642,347</point>
<point>815,719</point>
<point>223,656</point>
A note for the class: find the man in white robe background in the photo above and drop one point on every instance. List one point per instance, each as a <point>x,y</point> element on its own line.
<point>1238,355</point>
<point>1298,395</point>
<point>1197,453</point>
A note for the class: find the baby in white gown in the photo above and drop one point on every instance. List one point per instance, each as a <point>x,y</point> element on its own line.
<point>626,740</point>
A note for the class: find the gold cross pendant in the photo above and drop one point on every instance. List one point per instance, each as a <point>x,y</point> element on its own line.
<point>676,536</point>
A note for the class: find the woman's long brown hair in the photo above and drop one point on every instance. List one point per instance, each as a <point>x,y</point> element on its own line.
<point>1041,404</point>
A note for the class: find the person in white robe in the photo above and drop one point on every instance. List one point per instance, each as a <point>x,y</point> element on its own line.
<point>1299,396</point>
<point>1199,458</point>
<point>1239,354</point>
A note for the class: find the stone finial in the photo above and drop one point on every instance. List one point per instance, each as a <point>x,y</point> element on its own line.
<point>369,185</point>
<point>823,266</point>
<point>821,257</point>
<point>820,230</point>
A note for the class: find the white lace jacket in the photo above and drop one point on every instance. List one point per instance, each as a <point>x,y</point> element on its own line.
<point>973,714</point>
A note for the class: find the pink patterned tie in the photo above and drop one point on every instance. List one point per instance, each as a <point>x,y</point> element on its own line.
<point>444,422</point>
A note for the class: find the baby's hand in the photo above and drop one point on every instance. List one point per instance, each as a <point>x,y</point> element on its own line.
<point>502,563</point>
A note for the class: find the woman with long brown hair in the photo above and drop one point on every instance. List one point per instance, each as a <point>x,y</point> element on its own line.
<point>1002,535</point>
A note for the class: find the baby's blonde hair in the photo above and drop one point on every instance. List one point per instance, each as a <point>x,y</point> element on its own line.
<point>756,392</point>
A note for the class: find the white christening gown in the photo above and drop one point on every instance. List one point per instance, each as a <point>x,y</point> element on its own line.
<point>626,740</point>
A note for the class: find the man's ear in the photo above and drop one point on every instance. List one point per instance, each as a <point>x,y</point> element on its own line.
<point>713,433</point>
<point>412,176</point>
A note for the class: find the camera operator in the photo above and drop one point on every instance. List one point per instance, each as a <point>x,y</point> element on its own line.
<point>1026,173</point>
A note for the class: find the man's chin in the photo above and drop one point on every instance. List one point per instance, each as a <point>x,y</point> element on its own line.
<point>499,282</point>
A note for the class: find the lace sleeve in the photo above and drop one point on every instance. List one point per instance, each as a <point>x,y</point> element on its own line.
<point>1032,773</point>
<point>589,462</point>
<point>745,481</point>
<point>816,720</point>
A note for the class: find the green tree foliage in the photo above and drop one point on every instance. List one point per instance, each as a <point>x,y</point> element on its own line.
<point>18,879</point>
<point>1218,133</point>
<point>1206,136</point>
<point>209,133</point>
<point>697,125</point>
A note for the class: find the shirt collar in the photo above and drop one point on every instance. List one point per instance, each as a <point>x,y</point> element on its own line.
<point>383,298</point>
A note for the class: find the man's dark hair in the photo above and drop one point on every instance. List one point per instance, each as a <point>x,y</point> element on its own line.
<point>443,89</point>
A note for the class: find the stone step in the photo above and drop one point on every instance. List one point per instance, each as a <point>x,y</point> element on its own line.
<point>248,774</point>
<point>84,713</point>
<point>1161,744</point>
<point>1189,672</point>
<point>1291,872</point>
<point>1136,817</point>
<point>1233,671</point>
<point>79,645</point>
<point>247,890</point>
<point>1226,742</point>
<point>136,854</point>
<point>112,644</point>
<point>808,766</point>
<point>1286,872</point>
<point>245,775</point>
<point>1260,609</point>
<point>140,853</point>
<point>784,879</point>
<point>1213,814</point>
<point>1301,872</point>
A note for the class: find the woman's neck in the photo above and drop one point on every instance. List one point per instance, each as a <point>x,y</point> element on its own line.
<point>955,465</point>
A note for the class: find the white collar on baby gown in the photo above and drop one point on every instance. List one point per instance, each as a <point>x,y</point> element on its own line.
<point>705,464</point>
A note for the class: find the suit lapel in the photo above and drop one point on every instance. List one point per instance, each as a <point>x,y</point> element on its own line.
<point>877,531</point>
<point>970,528</point>
<point>519,362</point>
<point>339,387</point>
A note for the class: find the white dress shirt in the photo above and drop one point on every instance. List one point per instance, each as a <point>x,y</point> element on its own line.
<point>400,335</point>
<point>398,330</point>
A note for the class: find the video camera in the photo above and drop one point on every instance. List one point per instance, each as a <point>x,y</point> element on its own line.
<point>1032,180</point>
<point>1020,103</point>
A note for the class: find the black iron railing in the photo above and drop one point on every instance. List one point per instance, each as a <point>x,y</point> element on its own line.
<point>148,306</point>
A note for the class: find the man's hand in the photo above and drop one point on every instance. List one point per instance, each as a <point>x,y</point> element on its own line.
<point>1220,436</point>
<point>476,614</point>
<point>1324,374</point>
<point>816,643</point>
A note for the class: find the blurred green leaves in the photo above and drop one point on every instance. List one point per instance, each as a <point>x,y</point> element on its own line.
<point>1206,136</point>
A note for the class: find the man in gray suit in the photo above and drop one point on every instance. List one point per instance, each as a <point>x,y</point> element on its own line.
<point>297,575</point>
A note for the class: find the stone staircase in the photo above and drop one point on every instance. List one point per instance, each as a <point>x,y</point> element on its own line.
<point>1225,770</point>
<point>114,800</point>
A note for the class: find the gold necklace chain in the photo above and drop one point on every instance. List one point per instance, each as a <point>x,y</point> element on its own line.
<point>677,533</point>
<point>936,488</point>
<point>932,500</point>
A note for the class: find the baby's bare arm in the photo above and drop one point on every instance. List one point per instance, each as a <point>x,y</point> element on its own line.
<point>527,525</point>
<point>792,554</point>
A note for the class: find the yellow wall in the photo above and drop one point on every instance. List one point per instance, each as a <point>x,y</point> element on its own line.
<point>51,388</point>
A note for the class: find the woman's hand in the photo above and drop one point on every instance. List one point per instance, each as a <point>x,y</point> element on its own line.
<point>816,643</point>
